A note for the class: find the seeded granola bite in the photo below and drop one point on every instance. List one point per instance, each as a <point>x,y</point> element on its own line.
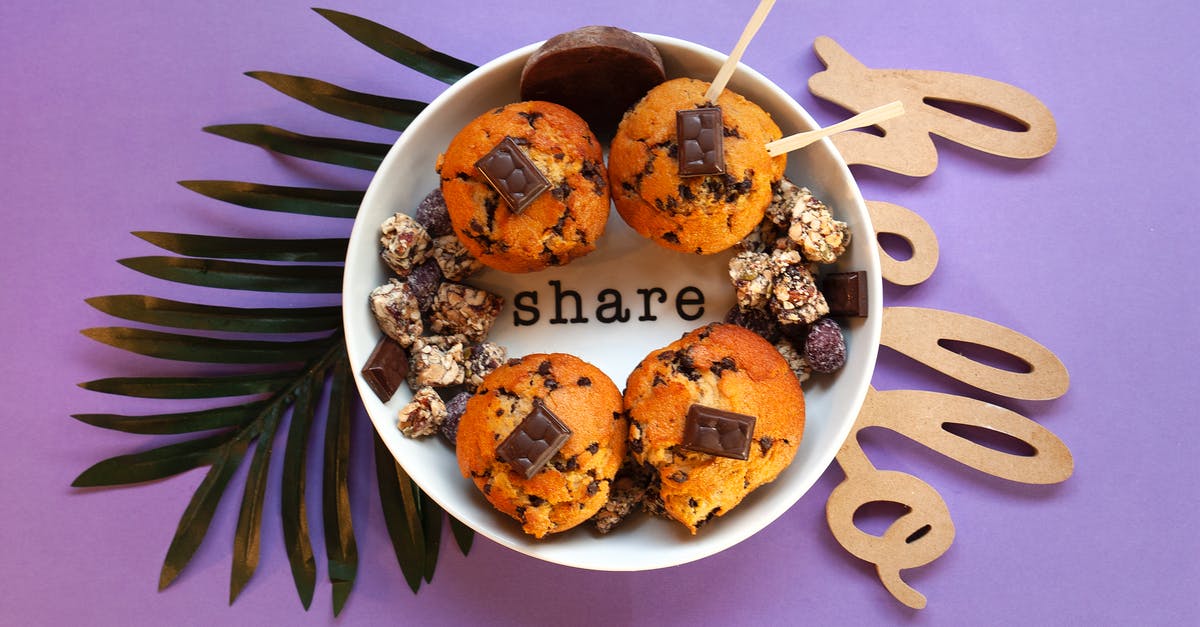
<point>701,214</point>
<point>808,223</point>
<point>717,414</point>
<point>542,439</point>
<point>459,309</point>
<point>502,218</point>
<point>405,243</point>
<point>397,311</point>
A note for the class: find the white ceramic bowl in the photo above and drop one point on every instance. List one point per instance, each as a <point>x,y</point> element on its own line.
<point>624,262</point>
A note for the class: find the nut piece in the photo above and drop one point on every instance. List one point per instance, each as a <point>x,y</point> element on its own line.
<point>462,309</point>
<point>397,312</point>
<point>482,359</point>
<point>436,361</point>
<point>454,259</point>
<point>795,298</point>
<point>808,223</point>
<point>751,274</point>
<point>405,243</point>
<point>784,195</point>
<point>795,359</point>
<point>760,240</point>
<point>822,239</point>
<point>422,416</point>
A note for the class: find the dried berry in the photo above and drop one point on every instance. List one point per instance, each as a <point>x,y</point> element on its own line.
<point>825,348</point>
<point>760,321</point>
<point>454,411</point>
<point>433,215</point>
<point>424,282</point>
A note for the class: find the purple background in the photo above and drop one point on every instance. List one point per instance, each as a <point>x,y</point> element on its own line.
<point>1090,251</point>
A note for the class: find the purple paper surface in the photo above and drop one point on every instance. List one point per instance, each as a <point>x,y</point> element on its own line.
<point>1090,251</point>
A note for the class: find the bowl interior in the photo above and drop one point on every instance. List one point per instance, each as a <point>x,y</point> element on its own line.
<point>657,290</point>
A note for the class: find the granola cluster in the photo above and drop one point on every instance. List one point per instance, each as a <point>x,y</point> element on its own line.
<point>439,324</point>
<point>775,276</point>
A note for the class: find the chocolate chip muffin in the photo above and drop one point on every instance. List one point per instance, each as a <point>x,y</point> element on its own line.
<point>507,437</point>
<point>701,214</point>
<point>506,216</point>
<point>717,414</point>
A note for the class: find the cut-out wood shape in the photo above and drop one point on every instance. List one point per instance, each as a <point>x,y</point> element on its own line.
<point>913,229</point>
<point>925,531</point>
<point>916,332</point>
<point>906,146</point>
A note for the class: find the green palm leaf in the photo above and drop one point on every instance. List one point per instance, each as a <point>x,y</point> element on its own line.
<point>185,422</point>
<point>193,387</point>
<point>157,463</point>
<point>381,111</point>
<point>292,503</point>
<point>401,514</point>
<point>464,536</point>
<point>431,522</point>
<point>246,538</point>
<point>329,203</point>
<point>237,275</point>
<point>193,525</point>
<point>399,47</point>
<point>344,152</point>
<point>323,249</point>
<point>340,547</point>
<point>180,315</point>
<point>414,520</point>
<point>182,347</point>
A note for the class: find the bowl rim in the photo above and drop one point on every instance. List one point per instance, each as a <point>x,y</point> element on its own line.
<point>872,324</point>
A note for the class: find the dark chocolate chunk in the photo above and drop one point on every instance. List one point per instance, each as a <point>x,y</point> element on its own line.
<point>512,175</point>
<point>718,432</point>
<point>386,368</point>
<point>539,436</point>
<point>846,293</point>
<point>701,145</point>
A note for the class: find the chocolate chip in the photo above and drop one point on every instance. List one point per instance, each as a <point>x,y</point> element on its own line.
<point>678,476</point>
<point>726,363</point>
<point>593,487</point>
<point>583,382</point>
<point>765,443</point>
<point>593,448</point>
<point>544,368</point>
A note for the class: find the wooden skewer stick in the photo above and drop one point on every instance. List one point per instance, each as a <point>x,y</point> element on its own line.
<point>866,118</point>
<point>726,71</point>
